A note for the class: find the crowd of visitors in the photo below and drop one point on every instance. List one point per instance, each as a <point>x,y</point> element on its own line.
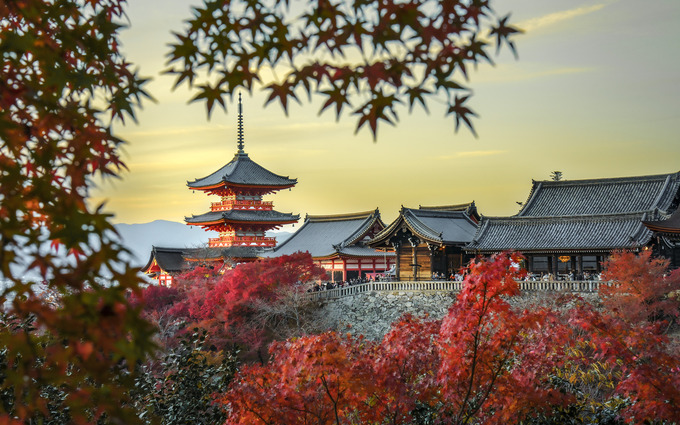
<point>458,277</point>
<point>586,275</point>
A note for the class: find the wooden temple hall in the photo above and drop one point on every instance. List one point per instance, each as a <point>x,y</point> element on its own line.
<point>429,241</point>
<point>339,244</point>
<point>571,226</point>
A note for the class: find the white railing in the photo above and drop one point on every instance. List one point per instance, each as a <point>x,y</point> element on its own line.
<point>559,285</point>
<point>450,286</point>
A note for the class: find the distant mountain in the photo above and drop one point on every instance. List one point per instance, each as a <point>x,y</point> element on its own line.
<point>139,238</point>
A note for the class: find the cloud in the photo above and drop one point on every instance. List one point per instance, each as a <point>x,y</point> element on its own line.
<point>470,154</point>
<point>174,131</point>
<point>525,71</point>
<point>554,18</point>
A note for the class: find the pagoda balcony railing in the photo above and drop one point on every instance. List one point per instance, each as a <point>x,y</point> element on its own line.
<point>241,241</point>
<point>242,205</point>
<point>585,286</point>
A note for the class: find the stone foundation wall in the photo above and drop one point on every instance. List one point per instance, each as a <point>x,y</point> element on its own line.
<point>372,313</point>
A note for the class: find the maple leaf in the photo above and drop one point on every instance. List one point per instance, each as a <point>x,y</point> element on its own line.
<point>336,96</point>
<point>398,39</point>
<point>462,113</point>
<point>380,107</point>
<point>282,92</point>
<point>416,94</point>
<point>210,94</point>
<point>503,32</point>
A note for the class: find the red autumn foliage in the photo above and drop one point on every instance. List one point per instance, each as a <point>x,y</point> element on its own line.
<point>402,368</point>
<point>156,297</point>
<point>650,373</point>
<point>493,359</point>
<point>223,304</point>
<point>641,288</point>
<point>64,86</point>
<point>315,379</point>
<point>483,363</point>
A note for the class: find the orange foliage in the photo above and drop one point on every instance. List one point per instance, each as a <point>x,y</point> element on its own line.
<point>483,363</point>
<point>641,288</point>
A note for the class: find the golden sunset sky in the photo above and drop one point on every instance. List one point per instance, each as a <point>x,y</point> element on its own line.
<point>595,93</point>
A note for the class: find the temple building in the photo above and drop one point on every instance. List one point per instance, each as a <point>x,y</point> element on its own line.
<point>338,243</point>
<point>572,225</point>
<point>164,263</point>
<point>666,234</point>
<point>241,216</point>
<point>429,240</point>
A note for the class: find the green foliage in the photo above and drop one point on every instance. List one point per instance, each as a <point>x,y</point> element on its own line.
<point>372,57</point>
<point>62,83</point>
<point>180,388</point>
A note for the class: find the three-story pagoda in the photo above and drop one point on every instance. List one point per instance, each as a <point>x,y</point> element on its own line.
<point>241,216</point>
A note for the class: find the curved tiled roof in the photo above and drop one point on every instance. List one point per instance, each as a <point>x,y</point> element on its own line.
<point>669,225</point>
<point>601,196</point>
<point>582,233</point>
<point>437,225</point>
<point>326,236</point>
<point>470,209</point>
<point>268,216</point>
<point>169,260</point>
<point>242,171</point>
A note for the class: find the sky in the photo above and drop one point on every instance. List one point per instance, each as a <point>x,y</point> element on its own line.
<point>594,93</point>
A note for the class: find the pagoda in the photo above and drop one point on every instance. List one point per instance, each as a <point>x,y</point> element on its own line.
<point>241,216</point>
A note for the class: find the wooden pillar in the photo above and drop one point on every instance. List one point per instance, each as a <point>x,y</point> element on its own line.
<point>397,274</point>
<point>579,266</point>
<point>530,264</point>
<point>414,253</point>
<point>414,250</point>
<point>432,249</point>
<point>344,270</point>
<point>556,266</point>
<point>598,266</point>
<point>550,264</point>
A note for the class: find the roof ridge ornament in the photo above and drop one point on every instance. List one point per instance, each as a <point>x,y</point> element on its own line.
<point>240,126</point>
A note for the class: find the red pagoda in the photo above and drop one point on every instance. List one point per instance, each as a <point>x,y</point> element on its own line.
<point>241,216</point>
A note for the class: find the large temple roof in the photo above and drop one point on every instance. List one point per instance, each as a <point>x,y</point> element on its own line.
<point>243,216</point>
<point>242,171</point>
<point>601,196</point>
<point>333,235</point>
<point>441,225</point>
<point>583,233</point>
<point>597,215</point>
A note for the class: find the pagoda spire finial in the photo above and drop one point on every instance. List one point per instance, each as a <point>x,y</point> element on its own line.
<point>240,125</point>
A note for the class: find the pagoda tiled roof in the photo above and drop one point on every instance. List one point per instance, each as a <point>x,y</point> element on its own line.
<point>214,253</point>
<point>333,235</point>
<point>242,171</point>
<point>577,233</point>
<point>601,196</point>
<point>432,224</point>
<point>170,260</point>
<point>242,216</point>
